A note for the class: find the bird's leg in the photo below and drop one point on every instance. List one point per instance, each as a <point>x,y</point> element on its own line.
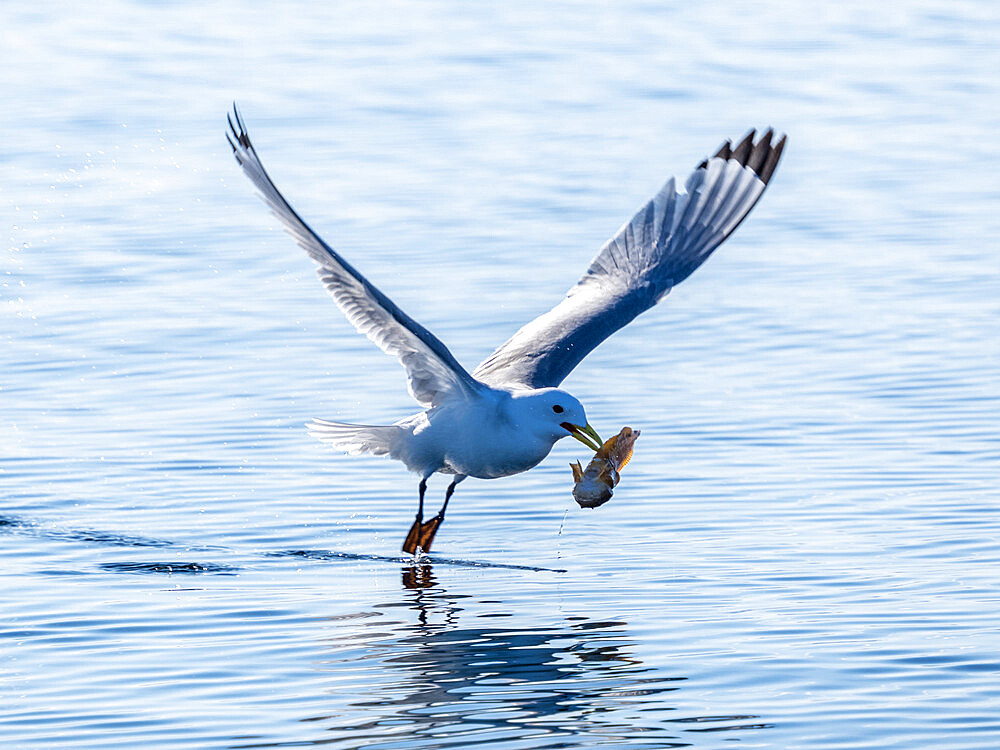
<point>447,496</point>
<point>412,542</point>
<point>421,534</point>
<point>420,507</point>
<point>429,529</point>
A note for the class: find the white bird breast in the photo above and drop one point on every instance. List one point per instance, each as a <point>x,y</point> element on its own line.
<point>478,442</point>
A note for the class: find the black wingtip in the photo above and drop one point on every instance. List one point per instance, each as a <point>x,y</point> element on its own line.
<point>239,119</point>
<point>742,151</point>
<point>761,156</point>
<point>758,155</point>
<point>237,130</point>
<point>771,160</point>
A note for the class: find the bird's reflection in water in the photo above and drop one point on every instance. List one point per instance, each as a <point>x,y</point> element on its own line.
<point>417,577</point>
<point>440,678</point>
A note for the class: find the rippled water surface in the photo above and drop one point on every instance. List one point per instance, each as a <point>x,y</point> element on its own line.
<point>804,552</point>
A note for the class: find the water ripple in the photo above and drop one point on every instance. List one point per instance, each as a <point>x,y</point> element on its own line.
<point>803,551</point>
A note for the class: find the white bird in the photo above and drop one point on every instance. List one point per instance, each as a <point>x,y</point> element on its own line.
<point>506,415</point>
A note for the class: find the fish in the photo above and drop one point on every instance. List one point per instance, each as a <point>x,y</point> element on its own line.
<point>594,485</point>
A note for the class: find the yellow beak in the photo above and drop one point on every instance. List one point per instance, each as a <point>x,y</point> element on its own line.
<point>586,435</point>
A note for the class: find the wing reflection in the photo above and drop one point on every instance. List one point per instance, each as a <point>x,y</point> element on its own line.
<point>446,681</point>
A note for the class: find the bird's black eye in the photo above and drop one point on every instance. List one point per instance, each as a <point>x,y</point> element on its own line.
<point>558,409</point>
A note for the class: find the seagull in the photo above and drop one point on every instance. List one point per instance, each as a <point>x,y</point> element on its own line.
<point>504,417</point>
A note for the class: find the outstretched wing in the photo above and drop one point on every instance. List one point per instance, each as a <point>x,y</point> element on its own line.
<point>431,369</point>
<point>661,246</point>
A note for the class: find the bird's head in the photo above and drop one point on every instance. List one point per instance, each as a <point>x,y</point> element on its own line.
<point>554,414</point>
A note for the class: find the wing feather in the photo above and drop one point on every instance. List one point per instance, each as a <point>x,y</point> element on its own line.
<point>662,245</point>
<point>431,370</point>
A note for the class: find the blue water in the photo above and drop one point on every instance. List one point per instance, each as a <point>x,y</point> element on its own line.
<point>803,552</point>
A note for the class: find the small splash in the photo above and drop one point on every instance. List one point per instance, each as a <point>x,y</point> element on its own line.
<point>563,521</point>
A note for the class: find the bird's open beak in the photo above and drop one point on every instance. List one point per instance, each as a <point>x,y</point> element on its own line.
<point>586,435</point>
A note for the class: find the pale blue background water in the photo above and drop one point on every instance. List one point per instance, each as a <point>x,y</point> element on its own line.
<point>805,552</point>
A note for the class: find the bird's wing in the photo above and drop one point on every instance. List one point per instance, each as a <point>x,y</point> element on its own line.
<point>661,246</point>
<point>431,369</point>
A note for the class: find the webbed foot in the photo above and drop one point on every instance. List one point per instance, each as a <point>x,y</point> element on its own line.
<point>421,535</point>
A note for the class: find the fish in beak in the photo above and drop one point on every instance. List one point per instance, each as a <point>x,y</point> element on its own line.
<point>594,485</point>
<point>586,435</point>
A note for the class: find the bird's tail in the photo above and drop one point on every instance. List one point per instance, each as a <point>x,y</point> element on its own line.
<point>356,439</point>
